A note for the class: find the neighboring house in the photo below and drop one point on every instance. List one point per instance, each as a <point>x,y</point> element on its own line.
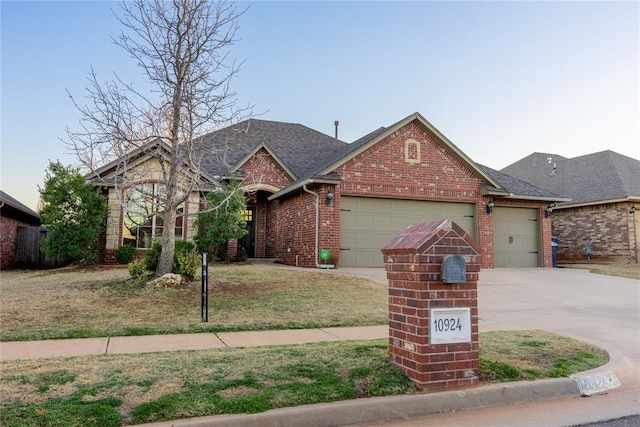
<point>13,216</point>
<point>307,192</point>
<point>600,222</point>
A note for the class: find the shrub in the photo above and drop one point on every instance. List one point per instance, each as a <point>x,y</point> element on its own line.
<point>242,254</point>
<point>138,269</point>
<point>125,254</point>
<point>152,256</point>
<point>185,259</point>
<point>184,247</point>
<point>186,265</point>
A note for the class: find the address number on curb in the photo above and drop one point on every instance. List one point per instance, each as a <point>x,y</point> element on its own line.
<point>449,325</point>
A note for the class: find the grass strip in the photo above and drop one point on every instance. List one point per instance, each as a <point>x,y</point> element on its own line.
<point>112,390</point>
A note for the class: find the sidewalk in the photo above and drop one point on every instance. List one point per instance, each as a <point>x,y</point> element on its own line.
<point>152,343</point>
<point>350,412</point>
<point>599,309</point>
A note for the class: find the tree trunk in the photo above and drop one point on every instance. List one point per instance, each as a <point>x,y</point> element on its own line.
<point>165,263</point>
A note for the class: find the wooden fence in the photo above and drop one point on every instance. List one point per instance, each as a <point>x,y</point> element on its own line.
<point>28,253</point>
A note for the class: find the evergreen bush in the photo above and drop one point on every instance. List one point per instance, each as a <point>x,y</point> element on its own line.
<point>125,254</point>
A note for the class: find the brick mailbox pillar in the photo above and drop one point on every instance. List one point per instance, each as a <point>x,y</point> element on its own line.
<point>433,325</point>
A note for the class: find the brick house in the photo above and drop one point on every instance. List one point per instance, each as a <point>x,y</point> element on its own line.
<point>604,189</point>
<point>13,216</point>
<point>308,192</point>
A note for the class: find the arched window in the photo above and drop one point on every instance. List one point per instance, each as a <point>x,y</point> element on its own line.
<point>143,224</point>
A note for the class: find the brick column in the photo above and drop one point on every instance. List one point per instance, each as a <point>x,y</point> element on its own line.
<point>413,261</point>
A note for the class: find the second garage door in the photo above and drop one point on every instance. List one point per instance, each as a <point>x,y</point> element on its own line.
<point>516,240</point>
<point>367,224</point>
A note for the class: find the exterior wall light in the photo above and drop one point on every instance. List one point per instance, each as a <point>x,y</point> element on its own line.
<point>547,212</point>
<point>329,197</point>
<point>632,210</point>
<point>489,206</point>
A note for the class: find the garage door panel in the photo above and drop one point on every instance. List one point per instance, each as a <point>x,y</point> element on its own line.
<point>383,222</point>
<point>516,241</point>
<point>367,224</point>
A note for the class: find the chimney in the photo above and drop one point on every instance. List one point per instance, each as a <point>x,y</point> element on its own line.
<point>336,123</point>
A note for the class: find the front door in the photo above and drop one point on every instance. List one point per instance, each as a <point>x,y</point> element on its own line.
<point>248,242</point>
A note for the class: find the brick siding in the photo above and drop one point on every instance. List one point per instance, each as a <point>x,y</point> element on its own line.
<point>413,264</point>
<point>411,164</point>
<point>609,228</point>
<point>8,233</point>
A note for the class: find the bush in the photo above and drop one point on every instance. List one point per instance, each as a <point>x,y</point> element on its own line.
<point>186,265</point>
<point>184,247</point>
<point>185,259</point>
<point>138,269</point>
<point>242,255</point>
<point>152,256</point>
<point>125,254</point>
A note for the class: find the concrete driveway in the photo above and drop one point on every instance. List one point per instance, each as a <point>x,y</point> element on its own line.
<point>599,309</point>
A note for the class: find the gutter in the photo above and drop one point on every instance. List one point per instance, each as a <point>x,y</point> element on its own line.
<point>313,180</point>
<point>630,199</point>
<point>317,196</point>
<point>508,195</point>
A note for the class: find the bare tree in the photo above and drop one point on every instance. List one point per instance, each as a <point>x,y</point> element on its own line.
<point>181,46</point>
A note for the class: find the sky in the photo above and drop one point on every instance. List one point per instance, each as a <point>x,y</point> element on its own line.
<point>500,79</point>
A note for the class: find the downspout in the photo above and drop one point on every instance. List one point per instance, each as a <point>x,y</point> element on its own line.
<point>304,187</point>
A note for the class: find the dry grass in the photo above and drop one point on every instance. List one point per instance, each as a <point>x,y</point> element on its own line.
<point>171,385</point>
<point>631,271</point>
<point>85,302</point>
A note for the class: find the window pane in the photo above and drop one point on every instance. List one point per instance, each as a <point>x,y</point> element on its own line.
<point>137,219</point>
<point>141,227</point>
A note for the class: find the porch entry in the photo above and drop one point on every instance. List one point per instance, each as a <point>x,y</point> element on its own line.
<point>248,241</point>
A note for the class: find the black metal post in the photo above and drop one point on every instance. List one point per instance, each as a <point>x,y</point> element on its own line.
<point>204,305</point>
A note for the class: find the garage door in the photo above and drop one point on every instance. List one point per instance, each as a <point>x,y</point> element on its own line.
<point>367,224</point>
<point>516,239</point>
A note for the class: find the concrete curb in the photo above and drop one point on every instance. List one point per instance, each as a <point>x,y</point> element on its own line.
<point>381,409</point>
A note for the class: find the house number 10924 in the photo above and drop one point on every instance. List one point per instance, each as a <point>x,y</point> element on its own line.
<point>449,325</point>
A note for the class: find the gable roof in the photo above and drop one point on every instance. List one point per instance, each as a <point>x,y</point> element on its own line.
<point>296,147</point>
<point>111,173</point>
<point>378,135</point>
<point>602,177</point>
<point>502,185</point>
<point>15,209</point>
<point>269,150</point>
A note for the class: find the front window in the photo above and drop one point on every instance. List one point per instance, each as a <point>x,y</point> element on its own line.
<point>142,221</point>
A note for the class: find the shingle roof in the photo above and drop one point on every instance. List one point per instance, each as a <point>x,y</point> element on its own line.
<point>601,176</point>
<point>300,147</point>
<point>309,154</point>
<point>9,201</point>
<point>518,187</point>
<point>507,186</point>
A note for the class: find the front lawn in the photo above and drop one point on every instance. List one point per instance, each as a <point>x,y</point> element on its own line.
<point>110,390</point>
<point>95,302</point>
